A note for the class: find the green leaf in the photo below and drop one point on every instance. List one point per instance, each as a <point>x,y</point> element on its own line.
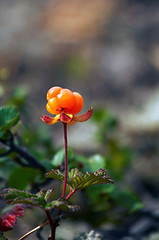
<point>95,162</point>
<point>89,179</point>
<point>78,180</point>
<point>45,194</point>
<point>13,196</point>
<point>59,157</point>
<point>22,177</point>
<point>74,173</point>
<point>56,174</point>
<point>9,117</point>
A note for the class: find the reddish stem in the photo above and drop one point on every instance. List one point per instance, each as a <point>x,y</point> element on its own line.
<point>52,225</point>
<point>66,159</point>
<point>33,230</point>
<point>70,194</point>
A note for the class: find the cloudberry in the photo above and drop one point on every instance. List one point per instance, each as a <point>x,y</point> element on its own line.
<point>63,100</point>
<point>66,99</point>
<point>53,107</point>
<point>65,104</point>
<point>78,104</point>
<point>53,92</point>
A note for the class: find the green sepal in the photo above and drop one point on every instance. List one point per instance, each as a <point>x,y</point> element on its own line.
<point>9,117</point>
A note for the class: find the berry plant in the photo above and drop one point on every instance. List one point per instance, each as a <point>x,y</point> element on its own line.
<point>65,105</point>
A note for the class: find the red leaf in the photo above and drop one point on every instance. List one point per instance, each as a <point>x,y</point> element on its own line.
<point>18,211</point>
<point>8,220</point>
<point>7,223</point>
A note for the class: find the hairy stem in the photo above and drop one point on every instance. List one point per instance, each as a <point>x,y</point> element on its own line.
<point>66,159</point>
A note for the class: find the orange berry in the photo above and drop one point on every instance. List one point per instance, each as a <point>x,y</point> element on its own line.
<point>78,104</point>
<point>52,92</point>
<point>53,107</point>
<point>66,99</point>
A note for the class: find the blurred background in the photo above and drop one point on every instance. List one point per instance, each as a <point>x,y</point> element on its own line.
<point>108,51</point>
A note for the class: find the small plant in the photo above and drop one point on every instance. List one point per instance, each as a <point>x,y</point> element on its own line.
<point>65,104</point>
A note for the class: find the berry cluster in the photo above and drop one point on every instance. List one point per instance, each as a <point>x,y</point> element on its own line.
<point>62,100</point>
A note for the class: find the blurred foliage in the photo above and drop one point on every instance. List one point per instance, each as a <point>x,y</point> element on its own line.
<point>26,176</point>
<point>92,235</point>
<point>77,67</point>
<point>4,74</point>
<point>118,156</point>
<point>19,97</point>
<point>2,237</point>
<point>9,117</point>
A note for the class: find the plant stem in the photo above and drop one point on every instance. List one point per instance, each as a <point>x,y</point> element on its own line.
<point>70,194</point>
<point>33,230</point>
<point>52,225</point>
<point>55,222</point>
<point>22,152</point>
<point>66,159</point>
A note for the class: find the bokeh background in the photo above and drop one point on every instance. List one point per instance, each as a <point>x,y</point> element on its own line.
<point>107,50</point>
